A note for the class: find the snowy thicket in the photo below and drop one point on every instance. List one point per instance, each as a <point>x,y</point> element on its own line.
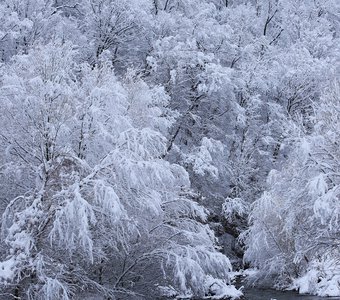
<point>127,126</point>
<point>97,210</point>
<point>294,236</point>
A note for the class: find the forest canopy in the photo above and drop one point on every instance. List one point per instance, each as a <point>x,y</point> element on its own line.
<point>150,148</point>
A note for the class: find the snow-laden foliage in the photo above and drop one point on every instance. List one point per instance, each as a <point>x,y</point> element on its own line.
<point>294,234</point>
<point>98,210</point>
<point>129,127</point>
<point>239,77</point>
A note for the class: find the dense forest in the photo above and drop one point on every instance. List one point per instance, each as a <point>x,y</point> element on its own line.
<point>150,148</point>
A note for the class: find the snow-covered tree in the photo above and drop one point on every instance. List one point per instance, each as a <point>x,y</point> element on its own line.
<point>294,233</point>
<point>98,210</point>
